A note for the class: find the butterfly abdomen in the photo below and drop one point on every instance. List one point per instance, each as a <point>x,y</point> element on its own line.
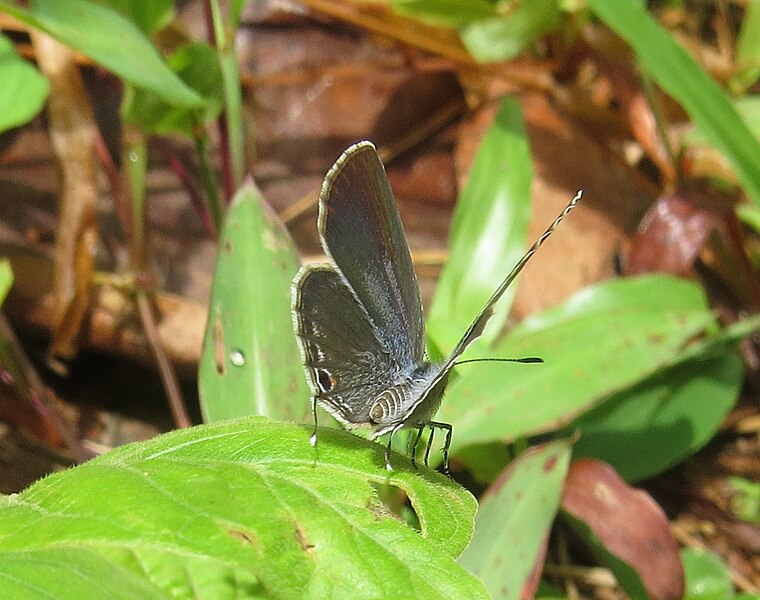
<point>389,405</point>
<point>409,400</point>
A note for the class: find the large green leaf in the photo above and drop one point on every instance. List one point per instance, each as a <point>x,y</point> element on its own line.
<point>487,231</point>
<point>604,339</point>
<point>241,509</point>
<point>250,363</point>
<point>658,422</point>
<point>23,91</point>
<point>513,521</point>
<point>110,40</point>
<point>647,429</point>
<point>679,75</point>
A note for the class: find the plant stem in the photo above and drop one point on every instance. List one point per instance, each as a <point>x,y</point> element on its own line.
<point>135,166</point>
<point>209,180</point>
<point>230,122</point>
<point>165,368</point>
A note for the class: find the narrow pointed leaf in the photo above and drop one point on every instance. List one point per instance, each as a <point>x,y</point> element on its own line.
<point>680,76</point>
<point>513,522</point>
<point>487,231</point>
<point>198,66</point>
<point>250,363</point>
<point>110,40</point>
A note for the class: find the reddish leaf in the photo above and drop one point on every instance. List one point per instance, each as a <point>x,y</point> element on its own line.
<point>627,525</point>
<point>671,236</point>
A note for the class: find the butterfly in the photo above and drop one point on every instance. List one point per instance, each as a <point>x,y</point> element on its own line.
<point>358,318</point>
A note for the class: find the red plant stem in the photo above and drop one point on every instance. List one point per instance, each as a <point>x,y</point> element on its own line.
<point>182,173</point>
<point>228,186</point>
<point>118,191</point>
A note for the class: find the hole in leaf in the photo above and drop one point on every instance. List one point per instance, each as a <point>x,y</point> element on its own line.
<point>392,501</point>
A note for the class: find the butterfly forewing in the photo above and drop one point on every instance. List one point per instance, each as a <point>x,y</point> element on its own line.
<point>345,361</point>
<point>361,230</point>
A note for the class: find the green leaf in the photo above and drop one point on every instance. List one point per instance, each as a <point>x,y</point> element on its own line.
<point>745,499</point>
<point>680,76</point>
<point>505,36</point>
<point>670,415</point>
<point>487,231</point>
<point>747,50</point>
<point>707,577</point>
<point>149,15</point>
<point>250,363</point>
<point>6,278</point>
<point>447,13</point>
<point>110,40</point>
<point>649,428</point>
<point>198,66</point>
<point>747,106</point>
<point>513,521</point>
<point>236,509</point>
<point>24,89</point>
<point>604,339</point>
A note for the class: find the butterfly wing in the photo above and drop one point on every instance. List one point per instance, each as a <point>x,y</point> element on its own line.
<point>346,363</point>
<point>362,232</point>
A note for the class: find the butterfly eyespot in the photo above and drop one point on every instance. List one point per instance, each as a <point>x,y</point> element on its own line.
<point>325,380</point>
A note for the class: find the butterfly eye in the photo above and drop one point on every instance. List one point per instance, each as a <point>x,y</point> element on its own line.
<point>325,380</point>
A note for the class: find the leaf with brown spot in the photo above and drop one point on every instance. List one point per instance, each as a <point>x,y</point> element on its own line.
<point>511,530</point>
<point>243,535</point>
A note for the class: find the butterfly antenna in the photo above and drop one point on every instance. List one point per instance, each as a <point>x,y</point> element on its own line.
<point>527,359</point>
<point>477,326</point>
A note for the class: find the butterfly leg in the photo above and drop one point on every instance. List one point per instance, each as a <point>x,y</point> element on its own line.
<point>429,444</point>
<point>447,443</point>
<point>413,450</point>
<point>313,438</point>
<point>388,452</point>
<point>388,447</point>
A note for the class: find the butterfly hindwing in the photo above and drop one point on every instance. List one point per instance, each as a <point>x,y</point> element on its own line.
<point>346,363</point>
